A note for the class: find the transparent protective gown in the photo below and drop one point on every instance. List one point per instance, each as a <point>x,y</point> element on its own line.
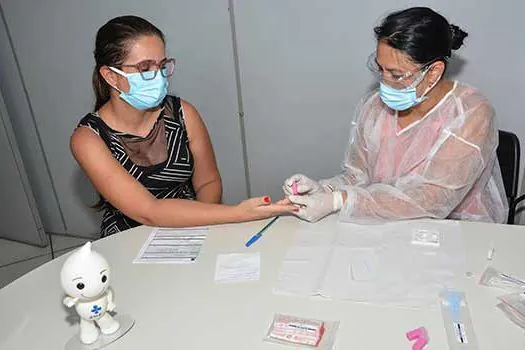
<point>442,166</point>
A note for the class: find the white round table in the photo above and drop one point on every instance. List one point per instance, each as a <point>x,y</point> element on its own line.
<point>181,306</point>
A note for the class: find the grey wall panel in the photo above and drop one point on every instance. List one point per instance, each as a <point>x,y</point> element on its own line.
<point>19,111</point>
<point>302,72</point>
<point>19,216</point>
<point>54,42</point>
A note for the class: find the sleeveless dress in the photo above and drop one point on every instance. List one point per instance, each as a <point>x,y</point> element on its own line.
<point>162,161</point>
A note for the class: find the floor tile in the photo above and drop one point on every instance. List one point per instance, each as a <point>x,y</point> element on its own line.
<point>62,242</point>
<point>12,272</point>
<point>11,251</point>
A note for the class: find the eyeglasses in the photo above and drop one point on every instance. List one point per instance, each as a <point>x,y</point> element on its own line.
<point>393,76</point>
<point>148,69</point>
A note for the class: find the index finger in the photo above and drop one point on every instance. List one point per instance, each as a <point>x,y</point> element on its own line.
<point>281,208</point>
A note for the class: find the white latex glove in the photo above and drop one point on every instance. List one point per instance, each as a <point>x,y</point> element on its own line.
<point>305,185</point>
<point>318,205</point>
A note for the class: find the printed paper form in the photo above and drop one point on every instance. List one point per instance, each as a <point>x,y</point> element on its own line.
<point>172,246</point>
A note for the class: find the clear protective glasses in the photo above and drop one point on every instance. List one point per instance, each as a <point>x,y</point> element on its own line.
<point>395,78</point>
<point>148,69</point>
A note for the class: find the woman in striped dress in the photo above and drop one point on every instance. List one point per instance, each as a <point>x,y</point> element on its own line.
<point>147,153</point>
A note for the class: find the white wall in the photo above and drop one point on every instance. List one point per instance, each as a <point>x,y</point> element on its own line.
<point>302,66</point>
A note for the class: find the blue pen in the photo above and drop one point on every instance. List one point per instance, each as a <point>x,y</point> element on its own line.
<point>259,234</point>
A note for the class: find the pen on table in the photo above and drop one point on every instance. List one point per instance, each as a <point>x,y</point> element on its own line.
<point>259,234</point>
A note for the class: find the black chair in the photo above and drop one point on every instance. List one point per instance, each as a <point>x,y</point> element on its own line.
<point>509,161</point>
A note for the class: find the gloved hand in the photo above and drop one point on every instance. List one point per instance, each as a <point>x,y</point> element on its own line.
<point>318,205</point>
<point>305,185</point>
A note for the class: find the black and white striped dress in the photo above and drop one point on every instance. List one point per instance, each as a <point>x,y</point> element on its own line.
<point>170,178</point>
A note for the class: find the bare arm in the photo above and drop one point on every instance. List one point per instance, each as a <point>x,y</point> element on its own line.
<point>126,194</point>
<point>206,178</point>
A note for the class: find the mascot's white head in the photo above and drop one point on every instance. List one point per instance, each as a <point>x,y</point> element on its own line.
<point>85,274</point>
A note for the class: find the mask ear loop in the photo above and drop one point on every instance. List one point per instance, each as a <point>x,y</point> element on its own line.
<point>429,65</point>
<point>121,73</point>
<point>431,86</point>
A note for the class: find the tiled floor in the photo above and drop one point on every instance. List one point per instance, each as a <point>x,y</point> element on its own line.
<point>16,259</point>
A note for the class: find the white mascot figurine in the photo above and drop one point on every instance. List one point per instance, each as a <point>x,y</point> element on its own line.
<point>85,278</point>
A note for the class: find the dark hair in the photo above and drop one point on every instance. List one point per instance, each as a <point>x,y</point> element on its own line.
<point>421,33</point>
<point>112,46</point>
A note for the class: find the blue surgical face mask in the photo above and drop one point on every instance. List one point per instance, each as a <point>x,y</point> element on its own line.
<point>403,99</point>
<point>399,100</point>
<point>143,94</point>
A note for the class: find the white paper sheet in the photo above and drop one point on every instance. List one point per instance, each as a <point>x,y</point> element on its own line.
<point>172,246</point>
<point>374,263</point>
<point>237,267</point>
